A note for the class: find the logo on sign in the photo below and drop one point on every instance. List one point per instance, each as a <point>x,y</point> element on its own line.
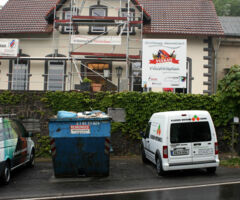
<point>163,57</point>
<point>12,43</point>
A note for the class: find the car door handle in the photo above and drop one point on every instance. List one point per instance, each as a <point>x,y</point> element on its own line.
<point>197,144</point>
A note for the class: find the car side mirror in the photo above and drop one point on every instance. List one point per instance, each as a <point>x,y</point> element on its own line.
<point>142,134</point>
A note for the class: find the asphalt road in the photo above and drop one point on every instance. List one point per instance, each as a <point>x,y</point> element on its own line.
<point>127,175</point>
<point>222,192</point>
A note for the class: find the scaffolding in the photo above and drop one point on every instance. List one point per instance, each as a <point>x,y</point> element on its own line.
<point>70,17</point>
<point>122,19</point>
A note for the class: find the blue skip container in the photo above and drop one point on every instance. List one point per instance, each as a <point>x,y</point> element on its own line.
<point>80,146</point>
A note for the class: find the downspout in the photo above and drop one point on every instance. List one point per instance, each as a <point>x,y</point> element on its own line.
<point>215,64</point>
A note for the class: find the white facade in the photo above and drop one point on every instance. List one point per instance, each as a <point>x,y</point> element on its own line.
<point>37,47</point>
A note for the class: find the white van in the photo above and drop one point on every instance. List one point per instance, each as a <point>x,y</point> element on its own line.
<point>178,140</point>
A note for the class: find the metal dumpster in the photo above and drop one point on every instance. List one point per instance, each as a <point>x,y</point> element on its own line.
<point>80,146</point>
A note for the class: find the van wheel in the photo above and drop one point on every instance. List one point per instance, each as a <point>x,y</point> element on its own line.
<point>144,159</point>
<point>211,170</point>
<point>31,161</point>
<point>6,174</point>
<point>160,170</point>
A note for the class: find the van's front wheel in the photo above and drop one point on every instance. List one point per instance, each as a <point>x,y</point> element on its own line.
<point>160,170</point>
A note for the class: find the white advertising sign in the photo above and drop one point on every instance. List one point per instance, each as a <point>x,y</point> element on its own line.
<point>80,129</point>
<point>164,63</point>
<point>106,40</point>
<point>9,47</point>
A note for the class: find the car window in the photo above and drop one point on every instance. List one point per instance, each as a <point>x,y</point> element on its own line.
<point>6,129</point>
<point>148,130</point>
<point>1,130</point>
<point>190,132</point>
<point>16,132</point>
<point>21,128</point>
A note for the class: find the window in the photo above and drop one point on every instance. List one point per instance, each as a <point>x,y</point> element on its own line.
<point>124,13</point>
<point>190,132</point>
<point>19,75</point>
<point>19,128</point>
<point>67,14</point>
<point>15,132</point>
<point>99,67</point>
<point>56,75</point>
<point>98,11</point>
<point>148,130</point>
<point>136,79</point>
<point>5,128</point>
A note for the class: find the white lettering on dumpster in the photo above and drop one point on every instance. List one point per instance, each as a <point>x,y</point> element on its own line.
<point>80,129</point>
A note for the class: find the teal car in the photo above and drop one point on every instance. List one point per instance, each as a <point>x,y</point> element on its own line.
<point>16,147</point>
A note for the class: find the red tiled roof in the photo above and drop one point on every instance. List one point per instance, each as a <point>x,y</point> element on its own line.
<point>26,16</point>
<point>193,17</point>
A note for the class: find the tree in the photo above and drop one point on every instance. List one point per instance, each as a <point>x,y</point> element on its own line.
<point>229,91</point>
<point>227,7</point>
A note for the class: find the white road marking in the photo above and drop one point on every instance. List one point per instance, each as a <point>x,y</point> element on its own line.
<point>132,191</point>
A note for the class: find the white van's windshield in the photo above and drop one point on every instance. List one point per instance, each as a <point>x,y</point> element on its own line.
<point>190,132</point>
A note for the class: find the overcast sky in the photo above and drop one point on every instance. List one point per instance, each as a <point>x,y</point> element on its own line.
<point>2,2</point>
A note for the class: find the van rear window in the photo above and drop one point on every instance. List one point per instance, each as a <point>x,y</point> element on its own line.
<point>190,132</point>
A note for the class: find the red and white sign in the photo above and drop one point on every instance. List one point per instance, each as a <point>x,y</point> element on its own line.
<point>164,63</point>
<point>80,129</point>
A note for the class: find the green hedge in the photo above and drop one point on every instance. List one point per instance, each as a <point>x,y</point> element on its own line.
<point>139,106</point>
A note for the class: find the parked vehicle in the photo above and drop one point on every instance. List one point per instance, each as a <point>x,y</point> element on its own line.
<point>180,140</point>
<point>16,147</point>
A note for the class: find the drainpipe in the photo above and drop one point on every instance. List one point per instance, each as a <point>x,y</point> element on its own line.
<point>215,63</point>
